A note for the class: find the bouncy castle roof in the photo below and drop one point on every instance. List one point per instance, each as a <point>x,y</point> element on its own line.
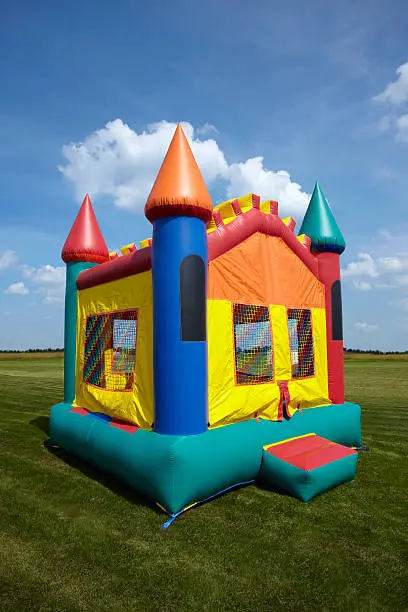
<point>320,224</point>
<point>232,222</point>
<point>85,241</point>
<point>179,188</point>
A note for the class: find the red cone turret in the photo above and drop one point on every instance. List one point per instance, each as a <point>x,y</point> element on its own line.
<point>85,241</point>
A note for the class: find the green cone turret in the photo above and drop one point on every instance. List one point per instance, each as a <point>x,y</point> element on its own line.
<point>320,225</point>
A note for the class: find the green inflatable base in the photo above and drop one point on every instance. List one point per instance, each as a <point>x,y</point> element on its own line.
<point>177,471</point>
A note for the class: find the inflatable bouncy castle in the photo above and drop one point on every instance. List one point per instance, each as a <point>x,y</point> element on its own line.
<point>212,355</point>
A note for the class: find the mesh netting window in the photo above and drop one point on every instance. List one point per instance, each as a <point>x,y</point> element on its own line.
<point>253,344</point>
<point>110,350</point>
<point>301,342</point>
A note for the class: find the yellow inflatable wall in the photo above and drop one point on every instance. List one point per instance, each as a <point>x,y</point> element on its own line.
<point>262,271</point>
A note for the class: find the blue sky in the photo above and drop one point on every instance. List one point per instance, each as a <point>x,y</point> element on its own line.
<point>273,95</point>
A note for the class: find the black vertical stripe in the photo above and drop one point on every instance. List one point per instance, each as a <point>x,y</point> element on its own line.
<point>337,311</point>
<point>193,299</point>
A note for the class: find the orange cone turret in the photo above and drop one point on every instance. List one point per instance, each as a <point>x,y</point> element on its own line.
<point>179,189</point>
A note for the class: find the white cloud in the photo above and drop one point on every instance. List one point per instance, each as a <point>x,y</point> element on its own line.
<point>365,327</point>
<point>395,96</point>
<point>118,162</point>
<point>396,92</point>
<point>391,240</point>
<point>362,285</point>
<point>384,233</point>
<point>252,176</point>
<point>377,273</point>
<point>402,280</point>
<point>364,267</point>
<point>17,288</point>
<point>8,259</point>
<point>207,128</point>
<point>49,282</point>
<point>401,125</point>
<point>385,123</point>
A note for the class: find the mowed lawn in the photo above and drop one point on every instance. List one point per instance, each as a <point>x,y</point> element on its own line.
<point>74,539</point>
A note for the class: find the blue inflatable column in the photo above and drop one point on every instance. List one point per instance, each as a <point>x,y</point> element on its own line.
<point>70,328</point>
<point>179,268</point>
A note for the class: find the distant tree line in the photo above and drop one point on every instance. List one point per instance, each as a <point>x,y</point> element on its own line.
<point>33,350</point>
<point>374,352</point>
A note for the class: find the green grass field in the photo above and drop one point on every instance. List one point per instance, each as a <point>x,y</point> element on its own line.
<point>74,539</point>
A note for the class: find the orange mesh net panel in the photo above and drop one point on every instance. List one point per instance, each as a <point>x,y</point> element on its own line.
<point>301,342</point>
<point>253,344</point>
<point>110,350</point>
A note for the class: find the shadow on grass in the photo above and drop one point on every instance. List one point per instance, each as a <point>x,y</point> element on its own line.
<point>105,479</point>
<point>42,423</point>
<point>269,488</point>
